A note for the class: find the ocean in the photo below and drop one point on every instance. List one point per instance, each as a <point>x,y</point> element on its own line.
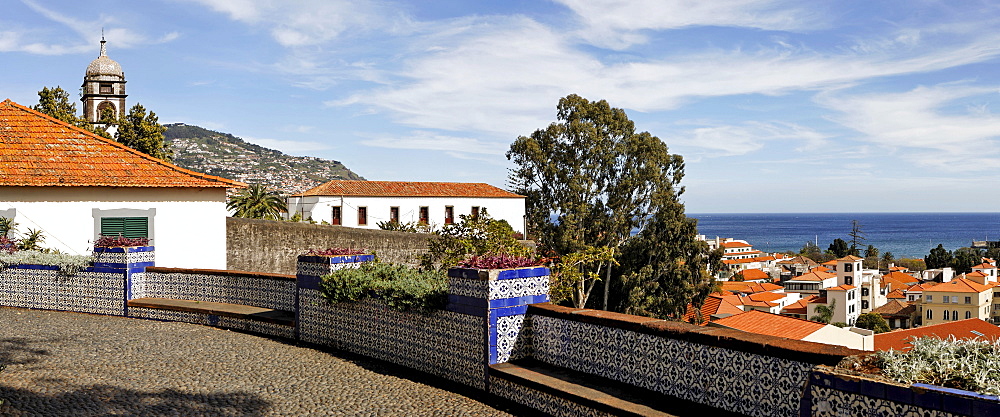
<point>906,235</point>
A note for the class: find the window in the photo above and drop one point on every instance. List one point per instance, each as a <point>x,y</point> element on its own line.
<point>954,315</point>
<point>864,304</point>
<point>475,212</point>
<point>927,298</point>
<point>968,314</point>
<point>954,299</point>
<point>946,316</point>
<point>930,314</point>
<point>336,216</point>
<point>394,214</point>
<point>131,227</point>
<point>848,267</point>
<point>849,280</point>
<point>864,292</point>
<point>106,88</point>
<point>449,214</point>
<point>425,215</point>
<point>362,216</point>
<point>968,300</point>
<point>944,299</point>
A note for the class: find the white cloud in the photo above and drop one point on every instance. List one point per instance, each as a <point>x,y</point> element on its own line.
<point>423,140</point>
<point>924,126</point>
<point>619,24</point>
<point>311,22</point>
<point>733,140</point>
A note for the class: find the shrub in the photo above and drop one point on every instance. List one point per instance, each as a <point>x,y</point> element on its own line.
<point>120,241</point>
<point>336,252</point>
<point>972,365</point>
<point>399,286</point>
<point>472,236</point>
<point>498,262</point>
<point>68,264</point>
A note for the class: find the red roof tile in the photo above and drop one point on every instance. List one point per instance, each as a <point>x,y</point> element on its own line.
<point>896,294</point>
<point>714,304</point>
<point>844,287</point>
<point>962,329</point>
<point>755,274</point>
<point>760,322</point>
<point>799,307</point>
<point>749,287</point>
<point>959,285</point>
<point>814,275</point>
<point>407,189</point>
<point>39,151</point>
<point>735,244</point>
<point>984,265</point>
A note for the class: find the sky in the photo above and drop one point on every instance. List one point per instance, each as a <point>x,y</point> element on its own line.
<point>776,106</point>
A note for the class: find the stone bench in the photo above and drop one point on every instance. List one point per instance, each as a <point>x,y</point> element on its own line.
<point>214,310</point>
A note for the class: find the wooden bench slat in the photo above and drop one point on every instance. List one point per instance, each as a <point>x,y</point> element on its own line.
<point>268,315</point>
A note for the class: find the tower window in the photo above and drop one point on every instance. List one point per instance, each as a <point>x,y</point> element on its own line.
<point>107,88</point>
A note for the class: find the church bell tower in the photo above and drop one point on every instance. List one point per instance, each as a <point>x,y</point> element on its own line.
<point>103,87</point>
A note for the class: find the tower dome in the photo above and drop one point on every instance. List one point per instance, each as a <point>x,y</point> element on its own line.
<point>104,66</point>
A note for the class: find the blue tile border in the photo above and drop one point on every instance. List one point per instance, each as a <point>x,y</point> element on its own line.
<point>498,274</point>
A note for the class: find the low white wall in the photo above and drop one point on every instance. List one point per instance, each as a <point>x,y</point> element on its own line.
<point>188,226</point>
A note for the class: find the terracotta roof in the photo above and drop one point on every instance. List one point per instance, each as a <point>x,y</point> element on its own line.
<point>760,322</point>
<point>896,308</point>
<point>850,258</point>
<point>814,275</point>
<point>844,287</point>
<point>896,294</point>
<point>407,189</point>
<point>984,265</point>
<point>799,307</point>
<point>901,277</point>
<point>39,151</point>
<point>736,244</point>
<point>739,261</point>
<point>830,263</point>
<point>714,304</point>
<point>899,268</point>
<point>752,274</point>
<point>920,287</point>
<point>798,260</point>
<point>962,329</point>
<point>749,287</point>
<point>959,285</point>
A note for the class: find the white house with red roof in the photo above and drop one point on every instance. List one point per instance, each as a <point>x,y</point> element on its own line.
<point>74,185</point>
<point>364,204</point>
<point>760,322</point>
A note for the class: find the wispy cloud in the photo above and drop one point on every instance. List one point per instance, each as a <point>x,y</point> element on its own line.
<point>424,140</point>
<point>619,24</point>
<point>946,126</point>
<point>733,140</point>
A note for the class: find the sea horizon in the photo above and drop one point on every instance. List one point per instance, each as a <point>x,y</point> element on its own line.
<point>905,234</point>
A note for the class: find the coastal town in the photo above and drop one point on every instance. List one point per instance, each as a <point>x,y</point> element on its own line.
<point>822,303</point>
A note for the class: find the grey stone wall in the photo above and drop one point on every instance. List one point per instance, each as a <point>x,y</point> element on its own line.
<point>274,246</point>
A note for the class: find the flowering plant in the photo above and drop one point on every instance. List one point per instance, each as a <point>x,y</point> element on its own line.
<point>501,261</point>
<point>336,252</point>
<point>119,241</point>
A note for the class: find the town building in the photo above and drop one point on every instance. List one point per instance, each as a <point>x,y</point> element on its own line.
<point>769,324</point>
<point>103,88</point>
<point>898,313</point>
<point>365,204</point>
<point>74,186</point>
<point>959,299</point>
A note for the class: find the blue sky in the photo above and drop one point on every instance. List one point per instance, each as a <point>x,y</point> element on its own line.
<point>777,106</point>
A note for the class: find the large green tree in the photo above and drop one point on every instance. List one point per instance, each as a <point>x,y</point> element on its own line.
<point>839,248</point>
<point>55,103</point>
<point>590,180</point>
<point>872,321</point>
<point>939,257</point>
<point>256,202</point>
<point>144,133</point>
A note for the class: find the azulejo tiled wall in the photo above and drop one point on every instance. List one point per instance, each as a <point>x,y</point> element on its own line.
<point>443,343</point>
<point>276,293</point>
<point>541,401</point>
<point>43,287</point>
<point>252,326</point>
<point>732,380</point>
<point>502,297</point>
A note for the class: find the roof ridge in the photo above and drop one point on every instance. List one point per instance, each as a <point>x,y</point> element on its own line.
<point>92,135</point>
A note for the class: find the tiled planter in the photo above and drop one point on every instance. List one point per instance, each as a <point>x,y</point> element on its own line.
<point>502,297</point>
<point>129,260</point>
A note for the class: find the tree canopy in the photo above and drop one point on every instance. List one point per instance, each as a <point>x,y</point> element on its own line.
<point>872,321</point>
<point>144,133</point>
<point>839,248</point>
<point>55,103</point>
<point>256,202</point>
<point>590,181</point>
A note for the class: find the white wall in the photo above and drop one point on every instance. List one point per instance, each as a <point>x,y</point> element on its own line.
<point>321,209</point>
<point>188,226</point>
<point>833,335</point>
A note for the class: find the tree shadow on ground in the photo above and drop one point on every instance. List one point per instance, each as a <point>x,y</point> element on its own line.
<point>18,351</point>
<point>105,400</point>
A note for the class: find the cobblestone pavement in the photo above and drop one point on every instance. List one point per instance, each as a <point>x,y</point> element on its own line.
<point>70,364</point>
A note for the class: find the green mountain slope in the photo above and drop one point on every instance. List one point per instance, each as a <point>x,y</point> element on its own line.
<point>225,155</point>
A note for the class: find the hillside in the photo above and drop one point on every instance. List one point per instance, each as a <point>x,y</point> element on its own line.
<point>225,155</point>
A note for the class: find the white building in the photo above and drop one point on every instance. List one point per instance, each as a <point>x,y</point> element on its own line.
<point>74,186</point>
<point>365,204</point>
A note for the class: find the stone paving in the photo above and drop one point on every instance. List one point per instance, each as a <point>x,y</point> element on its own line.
<point>71,364</point>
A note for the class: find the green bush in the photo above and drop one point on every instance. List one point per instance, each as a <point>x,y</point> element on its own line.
<point>972,365</point>
<point>399,286</point>
<point>68,264</point>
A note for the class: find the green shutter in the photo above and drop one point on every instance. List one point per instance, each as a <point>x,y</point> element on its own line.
<point>130,227</point>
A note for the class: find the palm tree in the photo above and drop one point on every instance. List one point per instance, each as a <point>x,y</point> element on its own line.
<point>256,202</point>
<point>824,313</point>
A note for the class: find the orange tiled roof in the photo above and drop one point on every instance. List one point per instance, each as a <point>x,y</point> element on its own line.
<point>899,268</point>
<point>814,275</point>
<point>901,277</point>
<point>798,260</point>
<point>39,151</point>
<point>896,294</point>
<point>760,322</point>
<point>754,274</point>
<point>739,261</point>
<point>850,258</point>
<point>896,308</point>
<point>799,307</point>
<point>749,287</point>
<point>962,329</point>
<point>407,189</point>
<point>830,263</point>
<point>959,285</point>
<point>984,265</point>
<point>735,244</point>
<point>766,296</point>
<point>844,287</point>
<point>714,304</point>
<point>920,287</point>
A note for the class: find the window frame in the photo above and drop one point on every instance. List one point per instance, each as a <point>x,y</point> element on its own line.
<point>394,214</point>
<point>337,215</point>
<point>449,214</point>
<point>362,215</point>
<point>424,214</point>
